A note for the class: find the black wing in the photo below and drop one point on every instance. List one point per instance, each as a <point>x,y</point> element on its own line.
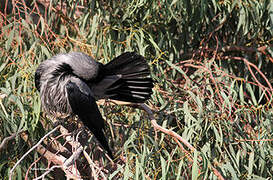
<point>84,105</point>
<point>130,77</point>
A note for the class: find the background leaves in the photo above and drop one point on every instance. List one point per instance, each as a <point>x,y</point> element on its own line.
<point>211,60</point>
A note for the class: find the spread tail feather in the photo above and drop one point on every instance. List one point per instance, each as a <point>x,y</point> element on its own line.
<point>134,83</point>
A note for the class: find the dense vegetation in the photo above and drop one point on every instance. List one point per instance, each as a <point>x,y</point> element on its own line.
<point>212,66</point>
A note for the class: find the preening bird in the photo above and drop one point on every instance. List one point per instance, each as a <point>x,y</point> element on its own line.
<point>69,84</point>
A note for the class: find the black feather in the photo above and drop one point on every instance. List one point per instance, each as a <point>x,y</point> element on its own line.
<point>37,78</point>
<point>84,105</point>
<point>135,85</point>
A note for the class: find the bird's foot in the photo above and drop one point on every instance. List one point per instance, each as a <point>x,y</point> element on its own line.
<point>80,134</point>
<point>60,121</point>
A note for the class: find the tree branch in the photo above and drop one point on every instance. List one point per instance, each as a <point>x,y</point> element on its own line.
<point>29,151</point>
<point>175,135</point>
<point>7,139</point>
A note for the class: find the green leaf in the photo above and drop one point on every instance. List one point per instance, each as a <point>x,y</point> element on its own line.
<point>163,168</point>
<point>250,163</point>
<point>10,39</point>
<point>195,168</point>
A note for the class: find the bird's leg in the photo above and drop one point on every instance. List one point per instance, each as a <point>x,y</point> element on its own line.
<point>81,135</point>
<point>77,131</point>
<point>60,121</point>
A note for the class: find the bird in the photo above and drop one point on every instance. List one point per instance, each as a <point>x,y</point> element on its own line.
<point>70,84</point>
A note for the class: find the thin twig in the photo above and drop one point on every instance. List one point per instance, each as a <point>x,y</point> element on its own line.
<point>7,139</point>
<point>167,131</point>
<point>36,145</point>
<point>174,135</point>
<point>74,157</point>
<point>93,166</point>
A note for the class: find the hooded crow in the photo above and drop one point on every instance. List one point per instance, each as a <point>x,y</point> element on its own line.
<point>69,84</point>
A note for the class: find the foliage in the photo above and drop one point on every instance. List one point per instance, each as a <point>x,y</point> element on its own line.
<point>212,63</point>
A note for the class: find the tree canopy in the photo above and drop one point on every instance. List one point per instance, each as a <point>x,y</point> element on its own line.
<point>212,64</point>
